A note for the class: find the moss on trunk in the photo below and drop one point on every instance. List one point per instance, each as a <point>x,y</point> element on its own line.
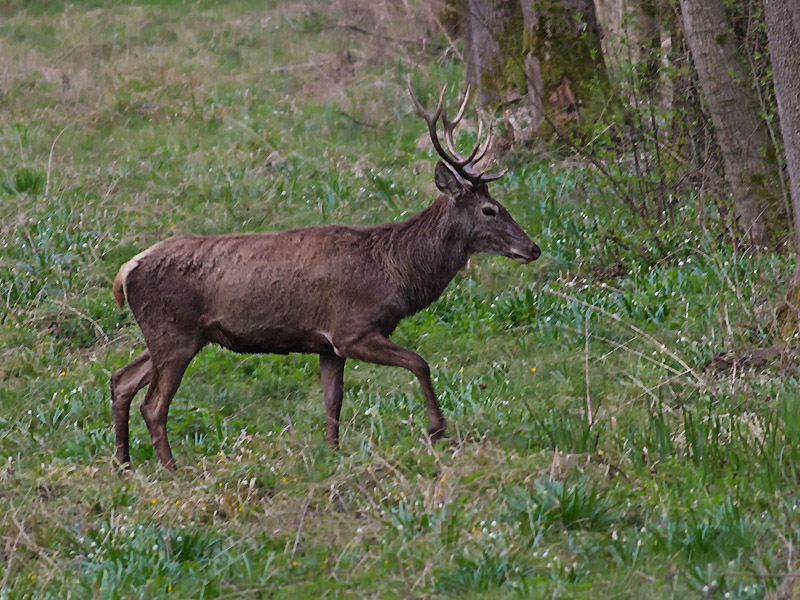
<point>566,42</point>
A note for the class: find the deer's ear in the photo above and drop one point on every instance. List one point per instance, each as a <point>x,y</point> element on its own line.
<point>447,182</point>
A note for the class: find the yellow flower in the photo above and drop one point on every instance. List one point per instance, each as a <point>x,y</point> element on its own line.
<point>153,501</point>
<point>533,369</point>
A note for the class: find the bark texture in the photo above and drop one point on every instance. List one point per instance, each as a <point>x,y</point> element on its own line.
<point>783,31</point>
<point>531,57</point>
<point>750,165</point>
<point>563,37</point>
<point>630,30</point>
<point>493,32</point>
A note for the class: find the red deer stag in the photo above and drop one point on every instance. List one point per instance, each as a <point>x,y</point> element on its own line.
<point>334,290</point>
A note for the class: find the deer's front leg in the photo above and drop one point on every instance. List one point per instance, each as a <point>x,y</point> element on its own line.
<point>331,368</point>
<point>375,348</point>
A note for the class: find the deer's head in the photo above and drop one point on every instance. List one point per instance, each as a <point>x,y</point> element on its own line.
<point>489,227</point>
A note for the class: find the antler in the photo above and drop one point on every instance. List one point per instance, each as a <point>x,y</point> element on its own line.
<point>462,165</point>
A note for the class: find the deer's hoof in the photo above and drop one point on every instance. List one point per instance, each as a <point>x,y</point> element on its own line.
<point>436,434</point>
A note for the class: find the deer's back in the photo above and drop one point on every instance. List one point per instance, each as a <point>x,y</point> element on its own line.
<point>267,292</point>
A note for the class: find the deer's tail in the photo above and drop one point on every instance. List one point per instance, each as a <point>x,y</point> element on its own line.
<point>118,288</point>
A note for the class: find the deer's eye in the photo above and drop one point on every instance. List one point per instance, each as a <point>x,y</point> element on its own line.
<point>489,210</point>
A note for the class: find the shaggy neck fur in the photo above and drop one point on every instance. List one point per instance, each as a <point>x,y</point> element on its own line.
<point>423,254</point>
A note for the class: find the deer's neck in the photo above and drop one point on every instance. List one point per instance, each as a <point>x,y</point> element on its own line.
<point>425,252</point>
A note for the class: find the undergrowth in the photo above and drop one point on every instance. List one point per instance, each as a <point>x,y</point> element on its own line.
<point>591,451</point>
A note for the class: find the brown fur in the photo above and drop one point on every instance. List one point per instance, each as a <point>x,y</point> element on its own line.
<point>337,291</point>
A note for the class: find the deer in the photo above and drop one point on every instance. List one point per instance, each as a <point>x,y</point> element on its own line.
<point>338,291</point>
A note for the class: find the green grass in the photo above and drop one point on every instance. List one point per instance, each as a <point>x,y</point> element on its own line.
<point>125,123</point>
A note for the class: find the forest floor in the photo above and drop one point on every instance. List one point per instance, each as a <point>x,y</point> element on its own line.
<point>125,123</point>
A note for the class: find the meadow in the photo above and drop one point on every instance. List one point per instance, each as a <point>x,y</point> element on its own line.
<point>596,448</point>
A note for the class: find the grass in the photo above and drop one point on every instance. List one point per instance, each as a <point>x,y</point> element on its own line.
<point>125,123</point>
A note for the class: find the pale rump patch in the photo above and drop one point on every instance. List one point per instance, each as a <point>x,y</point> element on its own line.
<point>129,266</point>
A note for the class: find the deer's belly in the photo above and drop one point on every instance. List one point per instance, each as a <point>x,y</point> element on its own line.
<point>269,340</point>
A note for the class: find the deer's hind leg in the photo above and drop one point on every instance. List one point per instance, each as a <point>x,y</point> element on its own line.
<point>124,385</point>
<point>168,366</point>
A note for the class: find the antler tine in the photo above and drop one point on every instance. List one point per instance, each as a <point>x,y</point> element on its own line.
<point>460,164</point>
<point>440,108</point>
<point>463,160</point>
<point>430,118</point>
<point>487,177</point>
<point>449,126</point>
<point>486,144</point>
<point>457,119</point>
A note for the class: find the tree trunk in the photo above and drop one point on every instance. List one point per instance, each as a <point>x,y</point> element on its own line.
<point>530,56</point>
<point>750,165</point>
<point>563,47</point>
<point>783,31</point>
<point>630,31</point>
<point>493,32</point>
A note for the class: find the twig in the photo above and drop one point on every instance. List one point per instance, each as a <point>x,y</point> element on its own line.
<point>357,29</point>
<point>660,346</point>
<point>111,188</point>
<point>305,65</point>
<point>589,418</point>
<point>300,526</point>
<point>451,43</point>
<point>288,427</point>
<point>248,591</point>
<point>96,325</point>
<point>10,559</point>
<point>619,346</point>
<point>50,161</point>
<point>356,121</point>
